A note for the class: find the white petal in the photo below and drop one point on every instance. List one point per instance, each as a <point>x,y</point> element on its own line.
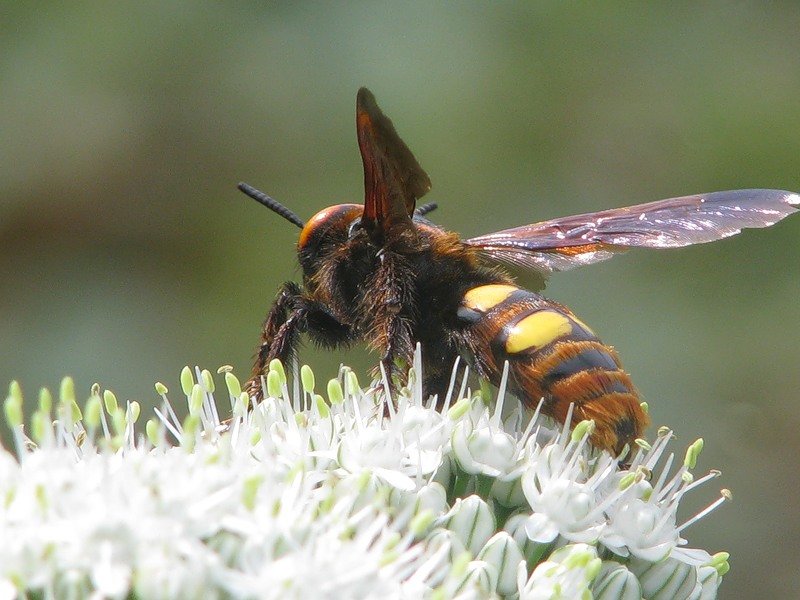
<point>691,556</point>
<point>540,529</point>
<point>395,479</point>
<point>7,590</point>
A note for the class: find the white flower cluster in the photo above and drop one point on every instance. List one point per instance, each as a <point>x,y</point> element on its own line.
<point>351,496</point>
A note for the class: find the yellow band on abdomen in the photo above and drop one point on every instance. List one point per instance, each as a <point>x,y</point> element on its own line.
<point>485,297</point>
<point>537,330</point>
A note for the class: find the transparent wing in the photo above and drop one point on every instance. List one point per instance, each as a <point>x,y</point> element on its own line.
<point>561,244</point>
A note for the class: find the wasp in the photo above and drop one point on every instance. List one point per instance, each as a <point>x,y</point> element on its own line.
<point>382,273</point>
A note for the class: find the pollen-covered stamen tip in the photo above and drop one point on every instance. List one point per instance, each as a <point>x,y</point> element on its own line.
<point>725,496</point>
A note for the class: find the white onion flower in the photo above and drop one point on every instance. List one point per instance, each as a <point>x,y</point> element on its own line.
<point>358,495</point>
<point>481,446</point>
<point>642,521</point>
<point>563,499</point>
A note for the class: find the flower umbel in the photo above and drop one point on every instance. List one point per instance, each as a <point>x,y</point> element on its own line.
<point>351,496</point>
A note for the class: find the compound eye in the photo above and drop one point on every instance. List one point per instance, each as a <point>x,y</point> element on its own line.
<point>354,228</point>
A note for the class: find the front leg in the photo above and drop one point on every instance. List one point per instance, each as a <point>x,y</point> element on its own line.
<point>293,313</point>
<point>399,349</point>
<point>393,308</point>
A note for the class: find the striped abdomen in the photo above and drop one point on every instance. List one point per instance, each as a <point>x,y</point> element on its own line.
<point>552,355</point>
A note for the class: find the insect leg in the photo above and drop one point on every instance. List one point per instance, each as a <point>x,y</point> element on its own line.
<point>392,309</point>
<point>291,314</point>
<point>279,333</point>
<point>399,348</point>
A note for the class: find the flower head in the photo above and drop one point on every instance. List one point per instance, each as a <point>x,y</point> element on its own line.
<point>359,495</point>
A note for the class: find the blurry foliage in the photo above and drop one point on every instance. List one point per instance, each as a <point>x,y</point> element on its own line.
<point>126,252</point>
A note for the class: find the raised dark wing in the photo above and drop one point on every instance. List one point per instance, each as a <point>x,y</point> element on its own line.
<point>561,244</point>
<point>393,179</point>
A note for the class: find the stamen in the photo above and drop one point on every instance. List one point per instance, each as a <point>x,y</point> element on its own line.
<point>176,432</point>
<point>567,422</point>
<point>664,473</point>
<point>726,495</point>
<point>449,397</point>
<point>501,393</point>
<point>464,382</point>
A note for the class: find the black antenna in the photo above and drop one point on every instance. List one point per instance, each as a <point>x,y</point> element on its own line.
<point>426,208</point>
<point>271,204</point>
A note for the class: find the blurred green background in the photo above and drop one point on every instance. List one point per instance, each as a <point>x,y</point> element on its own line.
<point>126,251</point>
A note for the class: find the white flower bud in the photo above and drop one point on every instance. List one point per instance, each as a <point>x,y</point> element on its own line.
<point>481,577</point>
<point>532,551</point>
<point>668,579</point>
<point>616,582</point>
<point>503,553</point>
<point>446,539</point>
<point>568,573</point>
<point>432,497</point>
<point>472,521</point>
<point>483,450</point>
<point>508,492</point>
<point>709,579</point>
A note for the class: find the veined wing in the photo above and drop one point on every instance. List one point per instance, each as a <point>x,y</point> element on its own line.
<point>561,244</point>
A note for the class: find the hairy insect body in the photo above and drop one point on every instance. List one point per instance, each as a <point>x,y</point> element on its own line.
<point>390,300</point>
<point>441,296</point>
<point>382,274</point>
